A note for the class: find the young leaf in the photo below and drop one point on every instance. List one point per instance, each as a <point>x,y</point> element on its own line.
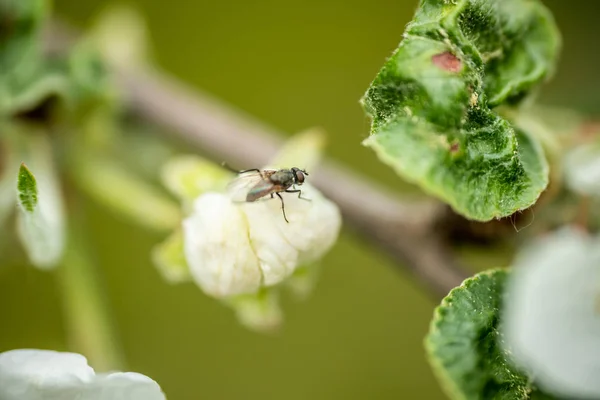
<point>187,177</point>
<point>463,343</point>
<point>303,280</point>
<point>124,192</point>
<point>169,258</point>
<point>259,312</point>
<point>41,220</point>
<point>27,189</point>
<point>432,104</point>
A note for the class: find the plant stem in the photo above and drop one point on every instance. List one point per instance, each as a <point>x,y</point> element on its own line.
<point>87,316</point>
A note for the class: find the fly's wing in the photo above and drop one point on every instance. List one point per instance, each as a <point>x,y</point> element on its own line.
<point>262,188</point>
<point>241,186</point>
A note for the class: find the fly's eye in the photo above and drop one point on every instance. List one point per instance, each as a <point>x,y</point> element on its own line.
<point>299,177</point>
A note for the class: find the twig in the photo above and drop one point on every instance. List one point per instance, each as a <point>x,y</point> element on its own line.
<point>403,230</point>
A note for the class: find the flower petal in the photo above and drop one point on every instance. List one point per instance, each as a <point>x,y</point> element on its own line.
<point>217,247</point>
<point>123,386</point>
<point>551,320</point>
<point>277,257</point>
<point>314,223</point>
<point>50,375</point>
<point>42,375</point>
<point>281,246</point>
<point>325,221</point>
<point>582,169</point>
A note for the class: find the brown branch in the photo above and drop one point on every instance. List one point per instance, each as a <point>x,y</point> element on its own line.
<point>404,230</point>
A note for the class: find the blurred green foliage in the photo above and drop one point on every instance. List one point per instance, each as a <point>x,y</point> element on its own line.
<point>294,65</point>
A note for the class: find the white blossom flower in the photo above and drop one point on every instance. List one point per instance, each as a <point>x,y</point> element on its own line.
<point>234,248</point>
<point>582,169</point>
<point>551,318</point>
<point>28,374</point>
<point>240,252</point>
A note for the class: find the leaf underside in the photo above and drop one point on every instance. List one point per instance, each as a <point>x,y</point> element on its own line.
<point>433,104</point>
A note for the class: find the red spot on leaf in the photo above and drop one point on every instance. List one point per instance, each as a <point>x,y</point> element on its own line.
<point>447,61</point>
<point>454,147</point>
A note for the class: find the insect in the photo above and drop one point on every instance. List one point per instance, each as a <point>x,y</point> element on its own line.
<point>254,184</point>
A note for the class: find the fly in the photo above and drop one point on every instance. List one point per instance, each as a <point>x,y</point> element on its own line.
<point>255,184</point>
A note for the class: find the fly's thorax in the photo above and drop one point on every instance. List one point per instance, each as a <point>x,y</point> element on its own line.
<point>283,177</point>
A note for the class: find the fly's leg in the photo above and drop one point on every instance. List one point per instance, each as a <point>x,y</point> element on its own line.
<point>299,194</point>
<point>251,170</point>
<point>282,207</point>
<point>226,166</point>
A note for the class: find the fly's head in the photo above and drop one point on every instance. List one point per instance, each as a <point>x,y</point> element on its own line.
<point>299,175</point>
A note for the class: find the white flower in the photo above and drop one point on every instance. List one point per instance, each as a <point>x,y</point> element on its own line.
<point>49,375</point>
<point>551,319</point>
<point>235,248</point>
<point>582,169</point>
<point>243,253</point>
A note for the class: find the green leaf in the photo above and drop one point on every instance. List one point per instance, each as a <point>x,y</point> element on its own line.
<point>169,258</point>
<point>259,312</point>
<point>27,189</point>
<point>19,35</point>
<point>22,96</point>
<point>26,79</point>
<point>91,83</point>
<point>40,223</point>
<point>463,343</point>
<point>433,103</point>
<point>116,187</point>
<point>29,78</point>
<point>187,177</point>
<point>302,282</point>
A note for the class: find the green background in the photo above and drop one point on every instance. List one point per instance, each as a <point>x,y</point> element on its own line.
<point>294,65</point>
